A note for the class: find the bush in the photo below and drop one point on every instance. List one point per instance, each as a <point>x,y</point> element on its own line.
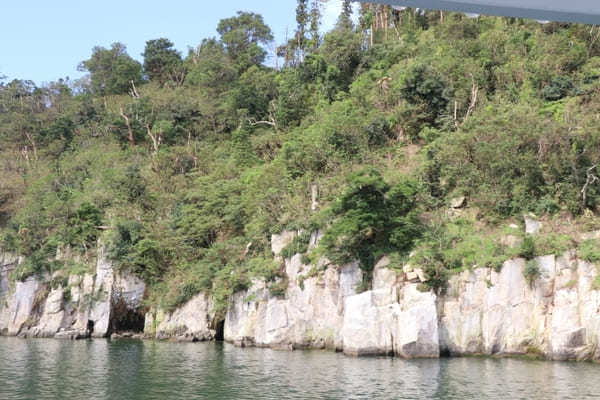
<point>527,250</point>
<point>299,245</point>
<point>188,291</point>
<point>531,272</point>
<point>451,246</point>
<point>370,218</point>
<point>558,88</point>
<point>589,250</point>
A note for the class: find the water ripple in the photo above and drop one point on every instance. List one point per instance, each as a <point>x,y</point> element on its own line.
<point>98,369</point>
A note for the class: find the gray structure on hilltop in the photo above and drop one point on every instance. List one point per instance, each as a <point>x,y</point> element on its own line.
<point>582,11</point>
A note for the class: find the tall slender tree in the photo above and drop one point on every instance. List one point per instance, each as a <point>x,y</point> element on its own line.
<point>345,18</point>
<point>315,23</point>
<point>302,18</point>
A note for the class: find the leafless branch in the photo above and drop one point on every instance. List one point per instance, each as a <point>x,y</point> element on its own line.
<point>590,180</point>
<point>129,130</point>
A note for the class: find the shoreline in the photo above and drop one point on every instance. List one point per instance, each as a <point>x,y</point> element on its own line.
<point>140,337</point>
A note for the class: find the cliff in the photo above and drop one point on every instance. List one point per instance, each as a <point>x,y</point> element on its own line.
<point>74,306</point>
<point>483,312</point>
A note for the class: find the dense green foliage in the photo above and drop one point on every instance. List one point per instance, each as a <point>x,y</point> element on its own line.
<point>371,218</point>
<point>185,166</point>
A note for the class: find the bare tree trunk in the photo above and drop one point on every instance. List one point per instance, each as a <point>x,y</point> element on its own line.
<point>155,138</point>
<point>591,179</point>
<point>31,141</point>
<point>472,105</point>
<point>386,20</point>
<point>129,130</point>
<point>474,94</point>
<point>134,92</point>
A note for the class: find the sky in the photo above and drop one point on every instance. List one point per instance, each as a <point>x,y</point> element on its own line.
<point>43,40</point>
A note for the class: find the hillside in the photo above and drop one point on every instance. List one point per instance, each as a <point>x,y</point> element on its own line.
<point>431,134</point>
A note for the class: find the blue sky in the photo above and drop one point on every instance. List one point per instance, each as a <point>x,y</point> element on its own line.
<point>44,40</point>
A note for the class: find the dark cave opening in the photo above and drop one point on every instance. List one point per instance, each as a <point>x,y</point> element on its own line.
<point>220,331</point>
<point>125,318</point>
<point>90,328</point>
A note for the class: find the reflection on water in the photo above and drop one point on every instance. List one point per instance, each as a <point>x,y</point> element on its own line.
<point>98,369</point>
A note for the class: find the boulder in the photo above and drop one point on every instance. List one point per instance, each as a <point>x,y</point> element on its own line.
<point>458,202</point>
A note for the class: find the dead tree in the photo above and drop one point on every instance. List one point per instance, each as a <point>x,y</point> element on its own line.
<point>129,130</point>
<point>590,180</point>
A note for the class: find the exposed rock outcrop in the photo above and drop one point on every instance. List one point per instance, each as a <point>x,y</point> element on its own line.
<point>558,317</point>
<point>310,315</point>
<point>192,322</point>
<point>483,312</point>
<point>75,307</point>
<point>488,312</point>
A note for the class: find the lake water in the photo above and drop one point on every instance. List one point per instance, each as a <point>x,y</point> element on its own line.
<point>100,369</point>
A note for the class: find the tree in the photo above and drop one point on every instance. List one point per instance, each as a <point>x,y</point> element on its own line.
<point>315,22</point>
<point>424,87</point>
<point>162,62</point>
<point>242,36</point>
<point>112,71</point>
<point>370,217</point>
<point>209,66</point>
<point>345,18</point>
<point>302,17</point>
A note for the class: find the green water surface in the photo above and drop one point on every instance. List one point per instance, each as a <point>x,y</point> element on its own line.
<point>101,369</point>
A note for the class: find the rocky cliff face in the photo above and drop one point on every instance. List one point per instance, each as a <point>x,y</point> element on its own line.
<point>190,323</point>
<point>486,312</point>
<point>66,307</point>
<point>325,311</point>
<point>483,311</point>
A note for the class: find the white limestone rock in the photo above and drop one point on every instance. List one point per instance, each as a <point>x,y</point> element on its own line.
<point>376,323</point>
<point>191,322</point>
<point>532,225</point>
<point>279,241</point>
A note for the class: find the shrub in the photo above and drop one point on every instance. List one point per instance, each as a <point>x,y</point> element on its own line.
<point>371,217</point>
<point>531,272</point>
<point>188,291</point>
<point>558,88</point>
<point>589,251</point>
<point>299,245</point>
<point>527,249</point>
<point>279,288</point>
<point>552,243</point>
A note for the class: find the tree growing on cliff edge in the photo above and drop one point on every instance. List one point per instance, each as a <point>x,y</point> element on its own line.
<point>370,218</point>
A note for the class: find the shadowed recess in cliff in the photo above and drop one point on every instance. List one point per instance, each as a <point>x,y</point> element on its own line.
<point>125,318</point>
<point>220,331</point>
